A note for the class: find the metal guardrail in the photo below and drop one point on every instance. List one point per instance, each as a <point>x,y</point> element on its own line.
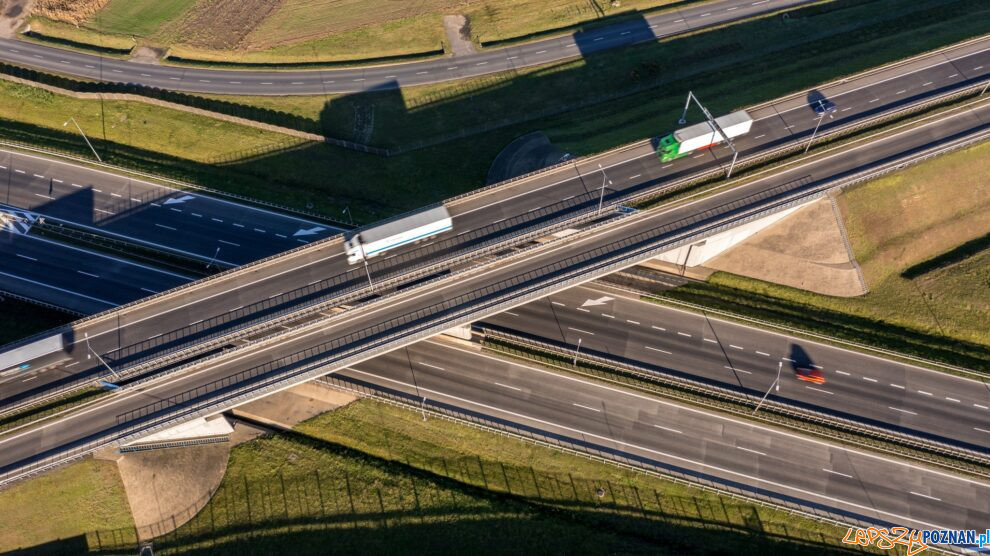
<point>736,396</point>
<point>759,496</point>
<point>380,338</point>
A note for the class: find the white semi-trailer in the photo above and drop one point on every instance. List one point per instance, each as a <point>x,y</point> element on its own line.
<point>703,135</point>
<point>395,233</point>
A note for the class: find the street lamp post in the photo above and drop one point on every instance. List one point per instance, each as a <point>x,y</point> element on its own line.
<point>364,259</point>
<point>985,87</point>
<point>715,127</point>
<point>775,385</point>
<point>576,352</point>
<point>601,198</point>
<point>813,133</point>
<point>73,120</point>
<point>100,359</point>
<point>217,252</point>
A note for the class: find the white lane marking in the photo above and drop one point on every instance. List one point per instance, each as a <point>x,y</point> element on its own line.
<point>636,176</point>
<point>72,364</point>
<point>104,211</point>
<point>425,364</point>
<point>842,373</point>
<point>328,82</point>
<point>924,393</point>
<point>204,80</point>
<point>735,370</point>
<point>926,496</point>
<point>632,321</point>
<point>608,316</point>
<point>451,68</point>
<point>836,473</point>
<point>901,410</point>
<point>751,451</point>
<point>820,390</point>
<point>39,176</point>
<point>98,190</point>
<point>980,406</point>
<point>174,78</point>
<point>951,399</point>
<point>667,166</point>
<point>88,273</point>
<point>57,180</point>
<point>509,387</point>
<point>422,72</point>
<point>599,39</point>
<point>259,230</point>
<point>196,215</point>
<point>283,236</point>
<point>512,57</point>
<point>75,185</point>
<point>790,360</point>
<point>116,195</point>
<point>874,100</point>
<point>981,430</point>
<point>819,367</point>
<point>229,242</point>
<point>705,14</point>
<point>18,171</point>
<point>668,429</point>
<point>166,227</point>
<point>869,379</point>
<point>657,349</point>
<point>216,220</point>
<point>26,257</point>
<point>175,209</point>
<point>897,386</point>
<point>579,331</point>
<point>902,91</point>
<point>711,341</point>
<point>678,20</point>
<point>359,79</point>
<point>683,334</point>
<point>927,83</point>
<point>234,82</point>
<point>31,378</point>
<point>116,71</point>
<point>978,68</point>
<point>511,313</point>
<point>297,83</point>
<point>953,75</point>
<point>541,52</point>
<point>735,346</point>
<point>481,63</point>
<point>760,136</point>
<point>558,303</point>
<point>624,33</point>
<point>44,196</point>
<point>269,82</point>
<point>147,290</point>
<point>583,310</point>
<point>732,8</point>
<point>588,408</point>
<point>763,353</point>
<point>660,328</point>
<point>236,225</point>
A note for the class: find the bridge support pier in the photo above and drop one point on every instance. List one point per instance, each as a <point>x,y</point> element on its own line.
<point>462,332</point>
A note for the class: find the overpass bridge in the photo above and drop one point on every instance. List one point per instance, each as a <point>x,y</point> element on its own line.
<point>337,340</point>
<point>174,328</point>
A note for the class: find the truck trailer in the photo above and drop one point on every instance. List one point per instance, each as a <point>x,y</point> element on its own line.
<point>701,136</point>
<point>395,233</point>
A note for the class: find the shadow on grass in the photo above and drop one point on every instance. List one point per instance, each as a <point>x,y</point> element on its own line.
<point>949,258</point>
<point>460,505</point>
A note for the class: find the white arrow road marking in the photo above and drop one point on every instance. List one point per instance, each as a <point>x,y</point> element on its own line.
<point>308,231</point>
<point>177,200</point>
<point>600,301</point>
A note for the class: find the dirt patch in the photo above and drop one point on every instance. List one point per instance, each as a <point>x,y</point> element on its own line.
<point>458,31</point>
<point>147,55</point>
<point>222,24</point>
<point>288,408</point>
<point>12,15</point>
<point>166,488</point>
<point>69,11</point>
<point>807,250</point>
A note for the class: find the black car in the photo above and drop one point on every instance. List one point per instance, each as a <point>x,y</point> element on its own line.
<point>824,106</point>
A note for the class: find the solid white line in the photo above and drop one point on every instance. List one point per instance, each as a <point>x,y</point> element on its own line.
<point>105,256</point>
<point>926,496</point>
<point>509,387</point>
<point>579,331</point>
<point>588,408</point>
<point>668,429</point>
<point>836,473</point>
<point>901,410</point>
<point>751,451</point>
<point>657,349</point>
<point>423,363</point>
<point>56,288</point>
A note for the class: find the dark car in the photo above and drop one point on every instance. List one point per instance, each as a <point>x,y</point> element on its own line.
<point>809,375</point>
<point>824,106</point>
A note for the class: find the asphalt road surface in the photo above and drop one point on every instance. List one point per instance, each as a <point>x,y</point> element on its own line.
<point>76,279</point>
<point>195,225</point>
<point>695,441</point>
<point>859,386</point>
<point>322,269</point>
<point>311,82</point>
<point>414,314</point>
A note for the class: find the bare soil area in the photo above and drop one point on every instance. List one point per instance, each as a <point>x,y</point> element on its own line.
<point>458,32</point>
<point>806,250</point>
<point>222,24</point>
<point>12,14</point>
<point>290,407</point>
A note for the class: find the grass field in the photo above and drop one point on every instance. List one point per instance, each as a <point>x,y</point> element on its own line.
<point>895,223</point>
<point>54,512</point>
<point>259,31</point>
<point>375,478</point>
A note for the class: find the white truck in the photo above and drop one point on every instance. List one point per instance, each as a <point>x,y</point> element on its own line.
<point>701,136</point>
<point>395,233</point>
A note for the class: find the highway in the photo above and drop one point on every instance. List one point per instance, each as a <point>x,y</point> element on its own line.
<point>694,441</point>
<point>410,315</point>
<point>320,271</point>
<point>184,222</point>
<point>858,386</point>
<point>378,77</point>
<point>75,279</point>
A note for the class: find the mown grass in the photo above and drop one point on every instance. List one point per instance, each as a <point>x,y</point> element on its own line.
<point>53,512</point>
<point>375,478</point>
<point>895,223</point>
<point>137,17</point>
